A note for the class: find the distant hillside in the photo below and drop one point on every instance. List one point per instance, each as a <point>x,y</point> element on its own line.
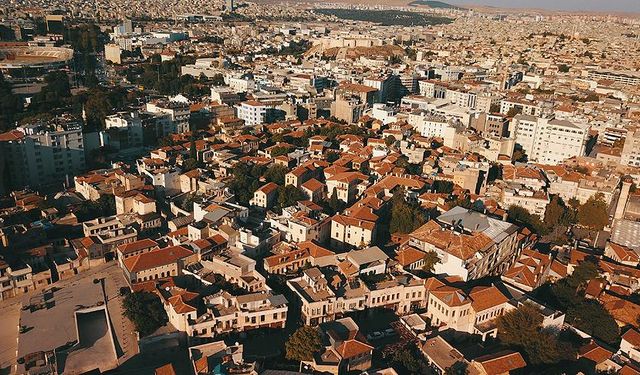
<point>434,4</point>
<point>386,17</point>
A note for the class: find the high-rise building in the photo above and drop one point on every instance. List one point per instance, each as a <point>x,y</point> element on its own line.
<point>42,154</point>
<point>549,140</point>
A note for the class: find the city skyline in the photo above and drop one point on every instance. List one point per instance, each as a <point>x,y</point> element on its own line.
<point>631,6</point>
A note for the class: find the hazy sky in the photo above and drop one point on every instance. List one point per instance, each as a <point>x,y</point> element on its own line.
<point>598,5</point>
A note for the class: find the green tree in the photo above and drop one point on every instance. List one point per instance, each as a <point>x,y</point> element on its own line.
<point>303,344</point>
<point>431,258</point>
<point>522,329</point>
<point>290,195</point>
<point>390,140</point>
<point>193,150</point>
<point>332,156</point>
<point>276,174</point>
<point>555,213</point>
<point>521,216</point>
<point>245,180</point>
<point>146,312</point>
<point>189,164</point>
<point>593,214</point>
<point>405,218</point>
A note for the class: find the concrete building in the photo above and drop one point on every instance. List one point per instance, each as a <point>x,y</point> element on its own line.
<point>42,154</point>
<point>252,112</point>
<point>548,140</point>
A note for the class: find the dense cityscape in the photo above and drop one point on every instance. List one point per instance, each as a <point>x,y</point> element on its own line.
<point>281,188</point>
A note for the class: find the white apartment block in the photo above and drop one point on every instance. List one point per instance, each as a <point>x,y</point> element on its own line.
<point>178,112</point>
<point>252,112</point>
<point>434,126</point>
<point>43,154</point>
<point>631,151</point>
<point>550,141</point>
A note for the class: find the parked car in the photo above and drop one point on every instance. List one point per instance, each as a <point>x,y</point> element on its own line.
<point>375,336</point>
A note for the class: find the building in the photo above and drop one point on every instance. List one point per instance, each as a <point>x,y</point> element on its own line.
<point>42,154</point>
<point>178,112</point>
<point>345,349</point>
<point>252,112</point>
<point>475,312</point>
<point>156,264</point>
<point>548,140</point>
<point>631,150</point>
<point>265,196</point>
<point>469,244</point>
<point>112,52</point>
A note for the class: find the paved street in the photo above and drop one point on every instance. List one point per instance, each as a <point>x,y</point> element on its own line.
<point>10,316</point>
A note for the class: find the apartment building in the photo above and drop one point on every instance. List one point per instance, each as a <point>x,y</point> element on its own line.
<point>42,154</point>
<point>469,244</point>
<point>631,150</point>
<point>252,112</point>
<point>227,313</point>
<point>535,201</point>
<point>549,140</point>
<point>292,260</point>
<point>178,111</point>
<point>630,78</point>
<point>433,125</point>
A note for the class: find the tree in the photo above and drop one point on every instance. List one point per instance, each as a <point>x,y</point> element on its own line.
<point>563,68</point>
<point>458,368</point>
<point>520,215</point>
<point>303,344</point>
<point>276,174</point>
<point>440,186</point>
<point>332,156</point>
<point>593,214</point>
<point>431,258</point>
<point>555,213</point>
<point>405,218</point>
<point>289,195</point>
<point>335,205</point>
<point>407,361</point>
<point>193,150</point>
<point>189,164</point>
<point>389,140</point>
<point>522,329</point>
<point>145,310</point>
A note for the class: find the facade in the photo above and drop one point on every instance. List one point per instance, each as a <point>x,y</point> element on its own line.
<point>550,141</point>
<point>156,264</point>
<point>469,244</point>
<point>252,112</point>
<point>42,154</point>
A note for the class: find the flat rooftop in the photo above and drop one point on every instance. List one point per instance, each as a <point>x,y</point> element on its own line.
<point>49,322</point>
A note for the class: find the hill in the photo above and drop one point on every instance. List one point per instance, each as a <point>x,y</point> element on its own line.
<point>435,4</point>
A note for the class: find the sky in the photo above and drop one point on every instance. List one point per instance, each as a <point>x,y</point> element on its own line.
<point>587,5</point>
